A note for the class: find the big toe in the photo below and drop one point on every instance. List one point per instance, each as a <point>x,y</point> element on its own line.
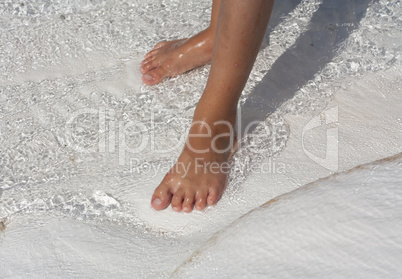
<point>155,76</point>
<point>161,198</point>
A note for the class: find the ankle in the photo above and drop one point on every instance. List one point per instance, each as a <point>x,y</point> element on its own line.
<point>216,116</point>
<point>208,36</point>
<point>205,137</point>
<point>210,31</point>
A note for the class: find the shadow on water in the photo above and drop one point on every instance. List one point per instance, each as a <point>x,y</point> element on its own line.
<point>330,25</point>
<point>281,9</point>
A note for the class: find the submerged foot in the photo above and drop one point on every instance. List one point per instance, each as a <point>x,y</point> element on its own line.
<point>171,58</point>
<point>198,178</point>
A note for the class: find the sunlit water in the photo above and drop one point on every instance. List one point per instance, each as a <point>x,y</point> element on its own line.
<point>78,130</point>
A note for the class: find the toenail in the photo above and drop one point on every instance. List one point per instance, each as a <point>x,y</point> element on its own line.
<point>148,77</point>
<point>186,208</point>
<point>157,202</point>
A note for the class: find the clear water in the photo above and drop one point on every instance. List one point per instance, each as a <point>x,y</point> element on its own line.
<point>72,107</point>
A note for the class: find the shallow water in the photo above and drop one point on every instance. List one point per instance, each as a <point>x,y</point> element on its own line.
<point>81,138</point>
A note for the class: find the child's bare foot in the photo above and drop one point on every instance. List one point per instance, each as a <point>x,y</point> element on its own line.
<point>171,58</point>
<point>197,179</point>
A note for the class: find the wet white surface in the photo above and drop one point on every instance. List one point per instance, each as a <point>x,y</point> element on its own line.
<point>74,194</point>
<point>347,225</point>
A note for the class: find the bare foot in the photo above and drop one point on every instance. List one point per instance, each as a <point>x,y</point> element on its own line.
<point>171,58</point>
<point>197,179</point>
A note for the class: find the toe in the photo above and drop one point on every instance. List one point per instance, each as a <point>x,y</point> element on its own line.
<point>146,60</point>
<point>213,196</point>
<point>161,197</point>
<point>151,54</point>
<point>188,202</point>
<point>177,200</point>
<point>155,76</point>
<point>160,44</point>
<point>201,200</point>
<point>151,64</point>
<point>155,49</point>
